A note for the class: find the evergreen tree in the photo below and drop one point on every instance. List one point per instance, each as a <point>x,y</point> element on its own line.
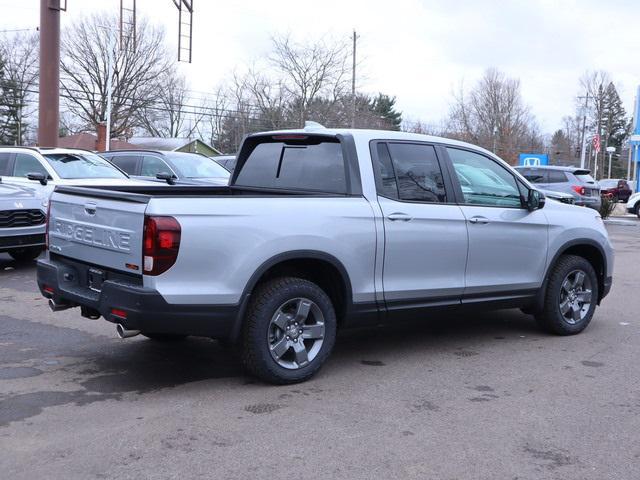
<point>615,129</point>
<point>384,106</point>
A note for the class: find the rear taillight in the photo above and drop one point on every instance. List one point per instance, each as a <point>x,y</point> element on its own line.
<point>46,228</point>
<point>160,244</point>
<point>578,189</point>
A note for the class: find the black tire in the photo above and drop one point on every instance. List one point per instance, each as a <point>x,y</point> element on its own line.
<point>551,318</point>
<point>163,337</point>
<point>26,254</point>
<point>265,302</point>
<point>638,209</point>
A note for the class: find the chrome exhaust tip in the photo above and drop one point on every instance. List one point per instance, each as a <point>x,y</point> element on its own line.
<point>57,307</point>
<point>124,333</point>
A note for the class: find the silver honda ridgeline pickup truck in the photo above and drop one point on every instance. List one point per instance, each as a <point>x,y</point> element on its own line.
<point>323,229</point>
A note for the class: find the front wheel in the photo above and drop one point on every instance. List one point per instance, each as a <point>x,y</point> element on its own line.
<point>26,254</point>
<point>571,296</point>
<point>289,331</point>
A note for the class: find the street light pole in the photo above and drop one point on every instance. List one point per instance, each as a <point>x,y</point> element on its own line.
<point>583,148</point>
<point>610,151</point>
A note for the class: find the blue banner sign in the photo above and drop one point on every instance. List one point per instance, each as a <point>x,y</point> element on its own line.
<point>533,159</point>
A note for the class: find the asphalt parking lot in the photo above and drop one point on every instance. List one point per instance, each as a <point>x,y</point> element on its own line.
<point>477,397</point>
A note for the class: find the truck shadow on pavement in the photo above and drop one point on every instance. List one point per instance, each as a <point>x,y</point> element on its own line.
<point>95,368</point>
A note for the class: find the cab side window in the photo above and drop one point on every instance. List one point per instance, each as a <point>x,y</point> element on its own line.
<point>411,172</point>
<point>25,164</point>
<point>483,181</point>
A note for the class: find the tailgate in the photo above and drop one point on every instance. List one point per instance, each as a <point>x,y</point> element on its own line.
<point>104,229</point>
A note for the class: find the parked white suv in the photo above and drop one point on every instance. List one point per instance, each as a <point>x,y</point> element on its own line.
<point>44,168</point>
<point>322,229</point>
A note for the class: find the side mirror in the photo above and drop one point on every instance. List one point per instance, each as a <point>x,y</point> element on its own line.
<point>38,177</point>
<point>535,200</point>
<point>170,178</point>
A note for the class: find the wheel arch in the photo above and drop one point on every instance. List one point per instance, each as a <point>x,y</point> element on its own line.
<point>319,267</point>
<point>586,248</point>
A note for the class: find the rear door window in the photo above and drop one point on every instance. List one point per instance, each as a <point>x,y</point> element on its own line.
<point>557,176</point>
<point>128,163</point>
<point>535,175</point>
<point>417,173</point>
<point>4,163</point>
<point>316,165</point>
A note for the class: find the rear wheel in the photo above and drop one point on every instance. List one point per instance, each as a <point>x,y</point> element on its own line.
<point>26,254</point>
<point>289,330</point>
<point>638,209</point>
<point>571,296</point>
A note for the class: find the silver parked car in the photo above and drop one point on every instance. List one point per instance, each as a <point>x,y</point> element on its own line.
<point>321,229</point>
<point>22,221</point>
<point>575,181</point>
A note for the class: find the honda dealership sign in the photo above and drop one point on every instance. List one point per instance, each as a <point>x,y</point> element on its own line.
<point>533,159</point>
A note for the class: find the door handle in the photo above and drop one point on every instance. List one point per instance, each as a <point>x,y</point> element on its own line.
<point>479,220</point>
<point>399,216</point>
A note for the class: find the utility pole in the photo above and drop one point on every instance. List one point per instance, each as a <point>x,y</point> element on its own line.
<point>49,90</point>
<point>353,82</point>
<point>584,127</point>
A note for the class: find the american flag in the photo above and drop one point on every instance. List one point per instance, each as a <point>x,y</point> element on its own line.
<point>596,143</point>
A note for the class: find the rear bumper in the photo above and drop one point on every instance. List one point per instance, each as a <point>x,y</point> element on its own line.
<point>591,202</point>
<point>146,310</point>
<point>21,241</point>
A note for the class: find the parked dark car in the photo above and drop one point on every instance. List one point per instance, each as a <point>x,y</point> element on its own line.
<point>173,167</point>
<point>616,189</point>
<point>227,161</point>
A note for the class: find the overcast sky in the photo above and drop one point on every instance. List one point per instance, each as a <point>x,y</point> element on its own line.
<point>417,50</point>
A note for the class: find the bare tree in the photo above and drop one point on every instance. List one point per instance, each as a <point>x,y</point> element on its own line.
<point>20,77</point>
<point>212,124</point>
<point>494,116</point>
<point>311,70</point>
<point>85,53</point>
<point>173,112</point>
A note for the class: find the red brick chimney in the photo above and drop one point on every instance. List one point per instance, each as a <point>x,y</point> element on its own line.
<point>101,141</point>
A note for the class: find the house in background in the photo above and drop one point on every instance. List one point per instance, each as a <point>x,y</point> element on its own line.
<point>95,143</point>
<point>175,144</point>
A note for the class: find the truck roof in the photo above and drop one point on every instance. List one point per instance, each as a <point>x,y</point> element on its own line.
<point>366,135</point>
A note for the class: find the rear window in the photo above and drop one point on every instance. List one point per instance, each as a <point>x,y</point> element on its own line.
<point>584,177</point>
<point>297,165</point>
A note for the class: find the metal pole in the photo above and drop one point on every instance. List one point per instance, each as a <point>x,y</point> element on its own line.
<point>584,126</point>
<point>629,162</point>
<point>609,169</point>
<point>49,90</point>
<point>109,89</point>
<point>353,83</point>
<point>635,164</point>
